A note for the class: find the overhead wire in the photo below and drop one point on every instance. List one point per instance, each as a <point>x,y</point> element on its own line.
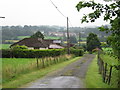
<point>58,9</point>
<point>70,22</point>
<point>61,12</point>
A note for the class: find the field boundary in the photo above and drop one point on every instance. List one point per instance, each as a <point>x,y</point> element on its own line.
<point>105,69</point>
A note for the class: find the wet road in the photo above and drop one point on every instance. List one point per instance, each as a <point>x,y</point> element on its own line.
<point>71,76</point>
<point>58,82</point>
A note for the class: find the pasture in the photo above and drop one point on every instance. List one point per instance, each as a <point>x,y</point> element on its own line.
<point>4,46</point>
<point>13,67</point>
<point>22,37</point>
<point>46,37</point>
<point>51,37</point>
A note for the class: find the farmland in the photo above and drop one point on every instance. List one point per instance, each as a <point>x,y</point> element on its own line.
<point>22,37</point>
<point>46,37</point>
<point>12,67</point>
<point>12,72</point>
<point>4,46</point>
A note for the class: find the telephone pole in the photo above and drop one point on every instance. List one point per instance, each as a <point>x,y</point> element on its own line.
<point>68,38</point>
<point>79,39</point>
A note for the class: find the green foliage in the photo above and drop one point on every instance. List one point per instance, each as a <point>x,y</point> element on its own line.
<point>114,41</point>
<point>77,52</point>
<point>19,47</point>
<point>26,53</point>
<point>92,42</point>
<point>111,13</point>
<point>112,61</point>
<point>38,34</point>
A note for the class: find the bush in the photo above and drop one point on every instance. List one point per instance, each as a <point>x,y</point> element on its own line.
<point>77,52</point>
<point>18,47</point>
<point>26,53</point>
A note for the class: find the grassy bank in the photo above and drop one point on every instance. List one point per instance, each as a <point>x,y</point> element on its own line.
<point>22,79</point>
<point>93,78</point>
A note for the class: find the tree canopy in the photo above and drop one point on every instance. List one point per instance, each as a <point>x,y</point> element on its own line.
<point>92,42</point>
<point>111,13</point>
<point>38,34</point>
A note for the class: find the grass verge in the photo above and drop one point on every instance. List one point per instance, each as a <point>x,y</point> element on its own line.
<point>93,78</point>
<point>26,78</point>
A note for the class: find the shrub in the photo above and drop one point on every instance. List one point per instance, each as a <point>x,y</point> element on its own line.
<point>77,52</point>
<point>18,47</point>
<point>26,53</point>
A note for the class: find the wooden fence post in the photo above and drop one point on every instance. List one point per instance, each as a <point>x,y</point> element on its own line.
<point>37,63</point>
<point>100,67</point>
<point>54,60</point>
<point>47,62</point>
<point>105,72</point>
<point>50,61</point>
<point>109,78</point>
<point>43,64</point>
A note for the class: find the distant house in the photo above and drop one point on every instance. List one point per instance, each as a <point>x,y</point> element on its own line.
<point>38,43</point>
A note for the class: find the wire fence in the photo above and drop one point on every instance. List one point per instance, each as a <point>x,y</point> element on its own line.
<point>106,70</point>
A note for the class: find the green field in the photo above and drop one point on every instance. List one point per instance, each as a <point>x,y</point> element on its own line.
<point>46,37</point>
<point>12,67</point>
<point>26,64</point>
<point>50,37</point>
<point>22,37</point>
<point>4,46</point>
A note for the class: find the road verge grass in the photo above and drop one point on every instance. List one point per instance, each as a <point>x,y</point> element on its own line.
<point>26,78</point>
<point>93,78</point>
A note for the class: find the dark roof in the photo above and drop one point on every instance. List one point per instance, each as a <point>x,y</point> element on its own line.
<point>33,42</point>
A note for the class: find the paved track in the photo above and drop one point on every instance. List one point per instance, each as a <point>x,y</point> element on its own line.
<point>71,76</point>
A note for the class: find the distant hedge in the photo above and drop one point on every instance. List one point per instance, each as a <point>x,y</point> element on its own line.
<point>77,52</point>
<point>26,53</point>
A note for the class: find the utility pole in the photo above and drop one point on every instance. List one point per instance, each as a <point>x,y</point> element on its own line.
<point>79,39</point>
<point>68,38</point>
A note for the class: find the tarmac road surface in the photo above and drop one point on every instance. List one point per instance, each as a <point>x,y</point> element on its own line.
<point>71,76</point>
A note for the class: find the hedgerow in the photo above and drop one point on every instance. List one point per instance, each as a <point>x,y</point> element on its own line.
<point>26,53</point>
<point>36,53</point>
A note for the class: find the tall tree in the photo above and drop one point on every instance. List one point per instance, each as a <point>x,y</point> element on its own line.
<point>38,34</point>
<point>92,42</point>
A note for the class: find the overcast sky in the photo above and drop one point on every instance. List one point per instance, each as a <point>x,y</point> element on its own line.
<point>42,12</point>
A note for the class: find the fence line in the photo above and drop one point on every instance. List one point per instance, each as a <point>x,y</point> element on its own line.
<point>104,69</point>
<point>46,62</point>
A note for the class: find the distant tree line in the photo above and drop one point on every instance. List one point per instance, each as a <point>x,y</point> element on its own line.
<point>12,32</point>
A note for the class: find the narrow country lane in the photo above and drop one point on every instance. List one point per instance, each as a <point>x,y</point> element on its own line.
<point>71,76</point>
